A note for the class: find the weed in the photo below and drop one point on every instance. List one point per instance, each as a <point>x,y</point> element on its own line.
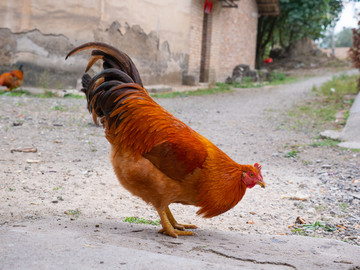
<point>318,225</point>
<point>219,88</point>
<point>12,189</point>
<point>305,162</point>
<point>19,104</point>
<point>15,93</point>
<point>310,229</point>
<point>57,188</point>
<point>138,220</point>
<point>75,213</point>
<point>58,108</point>
<point>92,146</point>
<point>297,231</point>
<point>319,112</point>
<point>291,154</point>
<point>70,95</point>
<point>46,94</point>
<point>325,143</point>
<point>277,76</point>
<point>321,208</point>
<point>343,206</point>
<point>300,205</point>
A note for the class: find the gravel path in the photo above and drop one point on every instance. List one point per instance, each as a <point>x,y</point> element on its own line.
<point>70,176</point>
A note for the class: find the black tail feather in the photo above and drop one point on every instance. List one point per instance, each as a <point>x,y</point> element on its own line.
<point>85,81</point>
<point>107,90</point>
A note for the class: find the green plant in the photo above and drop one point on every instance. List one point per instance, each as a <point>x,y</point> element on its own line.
<point>291,154</point>
<point>58,108</point>
<point>92,146</point>
<point>277,76</point>
<point>310,229</point>
<point>321,208</point>
<point>76,96</point>
<point>298,231</point>
<point>318,113</point>
<point>15,93</point>
<point>46,94</point>
<point>57,188</point>
<point>343,206</point>
<point>325,143</point>
<point>138,220</point>
<point>219,88</point>
<point>275,80</point>
<point>318,225</point>
<point>75,213</point>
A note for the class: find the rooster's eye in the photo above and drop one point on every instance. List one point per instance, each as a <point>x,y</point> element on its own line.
<point>251,174</point>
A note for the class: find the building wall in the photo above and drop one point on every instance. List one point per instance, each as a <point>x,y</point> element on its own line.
<point>162,36</point>
<point>237,43</point>
<point>233,38</point>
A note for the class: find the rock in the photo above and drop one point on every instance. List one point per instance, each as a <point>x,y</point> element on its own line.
<point>326,166</point>
<point>243,71</point>
<point>311,211</point>
<point>298,197</point>
<point>331,134</point>
<point>158,88</point>
<point>189,80</point>
<point>350,145</point>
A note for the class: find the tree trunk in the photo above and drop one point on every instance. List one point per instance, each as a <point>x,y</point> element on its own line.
<point>266,24</point>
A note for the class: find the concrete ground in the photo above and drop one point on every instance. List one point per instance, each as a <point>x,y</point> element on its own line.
<point>350,135</point>
<point>45,244</point>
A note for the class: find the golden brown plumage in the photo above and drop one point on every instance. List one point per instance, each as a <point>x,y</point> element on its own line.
<point>156,156</point>
<point>12,79</point>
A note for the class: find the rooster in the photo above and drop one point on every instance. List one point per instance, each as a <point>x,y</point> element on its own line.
<point>154,155</point>
<point>12,79</point>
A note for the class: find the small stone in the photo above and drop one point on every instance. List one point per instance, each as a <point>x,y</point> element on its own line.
<point>311,211</point>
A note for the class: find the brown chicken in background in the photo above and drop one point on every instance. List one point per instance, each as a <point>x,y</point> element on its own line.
<point>156,156</point>
<point>12,79</point>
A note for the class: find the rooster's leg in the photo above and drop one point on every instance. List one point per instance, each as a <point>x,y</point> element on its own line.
<point>168,228</point>
<point>175,224</point>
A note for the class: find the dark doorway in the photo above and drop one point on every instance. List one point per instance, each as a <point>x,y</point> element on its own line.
<point>205,48</point>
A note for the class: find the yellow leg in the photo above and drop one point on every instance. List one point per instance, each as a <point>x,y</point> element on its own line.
<point>168,228</point>
<point>175,224</point>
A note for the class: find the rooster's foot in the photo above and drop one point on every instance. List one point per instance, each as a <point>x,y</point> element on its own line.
<point>175,224</point>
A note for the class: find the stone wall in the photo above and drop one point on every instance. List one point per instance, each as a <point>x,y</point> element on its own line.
<point>39,33</point>
<point>163,37</point>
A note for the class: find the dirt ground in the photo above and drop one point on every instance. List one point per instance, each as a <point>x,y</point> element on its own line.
<point>69,177</point>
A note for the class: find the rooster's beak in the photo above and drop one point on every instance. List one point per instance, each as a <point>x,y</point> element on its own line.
<point>261,184</point>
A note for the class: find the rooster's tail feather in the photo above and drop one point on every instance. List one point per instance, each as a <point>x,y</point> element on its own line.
<point>112,57</point>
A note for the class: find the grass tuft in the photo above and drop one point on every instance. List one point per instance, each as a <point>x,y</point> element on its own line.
<point>219,88</point>
<point>138,220</point>
<point>324,142</point>
<point>319,114</point>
